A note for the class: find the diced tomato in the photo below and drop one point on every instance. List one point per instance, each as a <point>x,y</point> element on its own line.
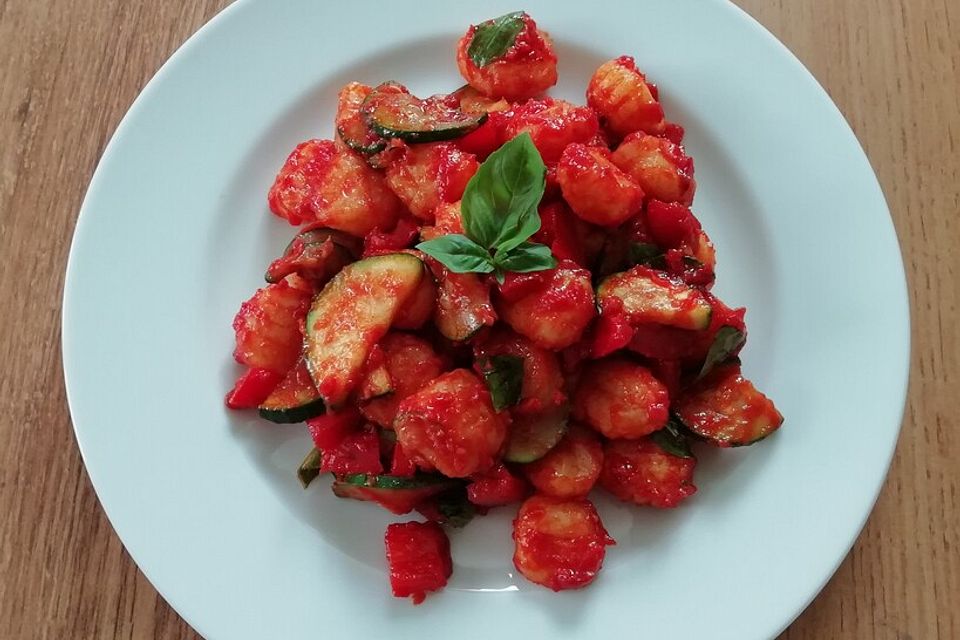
<point>331,428</point>
<point>252,388</point>
<point>485,139</point>
<point>674,133</point>
<point>558,230</point>
<point>358,452</point>
<point>671,224</point>
<point>401,464</point>
<point>418,554</point>
<point>402,236</point>
<point>668,373</point>
<point>497,487</point>
<point>519,285</point>
<point>612,331</point>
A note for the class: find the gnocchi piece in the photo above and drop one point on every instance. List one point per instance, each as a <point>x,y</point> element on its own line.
<point>267,326</point>
<point>641,472</point>
<point>595,188</point>
<point>559,543</point>
<point>528,68</point>
<point>419,308</point>
<point>411,363</point>
<point>661,168</point>
<point>571,468</point>
<point>626,102</point>
<point>542,387</point>
<point>450,425</point>
<point>426,175</point>
<point>329,184</point>
<point>552,308</point>
<point>552,125</point>
<point>621,399</point>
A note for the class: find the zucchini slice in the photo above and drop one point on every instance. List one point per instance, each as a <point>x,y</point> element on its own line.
<point>315,254</point>
<point>309,469</point>
<point>463,305</point>
<point>351,125</point>
<point>649,296</point>
<point>531,437</point>
<point>393,112</point>
<point>725,409</point>
<point>376,383</point>
<point>397,495</point>
<point>294,400</point>
<point>349,317</point>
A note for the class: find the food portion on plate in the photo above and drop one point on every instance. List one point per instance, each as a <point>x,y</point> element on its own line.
<point>498,299</point>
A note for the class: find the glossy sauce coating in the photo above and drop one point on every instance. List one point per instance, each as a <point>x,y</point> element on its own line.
<point>450,425</point>
<point>639,471</point>
<point>556,310</point>
<point>326,183</point>
<point>595,188</point>
<point>559,543</point>
<point>528,68</point>
<point>571,468</point>
<point>621,399</point>
<point>626,102</point>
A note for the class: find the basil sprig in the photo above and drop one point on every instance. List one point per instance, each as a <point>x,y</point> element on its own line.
<point>727,341</point>
<point>672,439</point>
<point>504,377</point>
<point>493,38</point>
<point>499,212</point>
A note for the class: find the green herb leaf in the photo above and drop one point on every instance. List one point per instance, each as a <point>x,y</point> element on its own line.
<point>645,253</point>
<point>499,206</point>
<point>672,440</point>
<point>455,507</point>
<point>309,468</point>
<point>725,344</point>
<point>526,257</point>
<point>493,38</point>
<point>504,377</point>
<point>458,253</point>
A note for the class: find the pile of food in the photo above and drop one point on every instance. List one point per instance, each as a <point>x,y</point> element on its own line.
<point>498,298</point>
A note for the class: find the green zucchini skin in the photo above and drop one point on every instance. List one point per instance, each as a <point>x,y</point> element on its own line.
<point>532,437</point>
<point>393,112</point>
<point>294,400</point>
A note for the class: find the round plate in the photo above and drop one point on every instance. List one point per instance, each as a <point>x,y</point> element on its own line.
<point>175,233</point>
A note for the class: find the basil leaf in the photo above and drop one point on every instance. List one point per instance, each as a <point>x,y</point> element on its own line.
<point>309,468</point>
<point>455,508</point>
<point>493,38</point>
<point>645,253</point>
<point>526,257</point>
<point>504,377</point>
<point>672,440</point>
<point>725,344</point>
<point>499,206</point>
<point>458,253</point>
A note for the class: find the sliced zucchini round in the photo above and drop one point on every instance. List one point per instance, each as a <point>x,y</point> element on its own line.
<point>531,437</point>
<point>352,313</point>
<point>393,112</point>
<point>397,495</point>
<point>294,400</point>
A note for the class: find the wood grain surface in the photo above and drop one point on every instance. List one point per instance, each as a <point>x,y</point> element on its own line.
<point>69,71</point>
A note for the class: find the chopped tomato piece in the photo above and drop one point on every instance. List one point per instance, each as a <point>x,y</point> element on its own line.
<point>330,429</point>
<point>497,487</point>
<point>402,236</point>
<point>401,464</point>
<point>357,452</point>
<point>612,331</point>
<point>252,388</point>
<point>418,554</point>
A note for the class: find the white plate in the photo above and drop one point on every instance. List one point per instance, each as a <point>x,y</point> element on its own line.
<point>174,234</point>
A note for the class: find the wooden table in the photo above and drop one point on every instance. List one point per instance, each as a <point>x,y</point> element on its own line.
<point>68,72</point>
